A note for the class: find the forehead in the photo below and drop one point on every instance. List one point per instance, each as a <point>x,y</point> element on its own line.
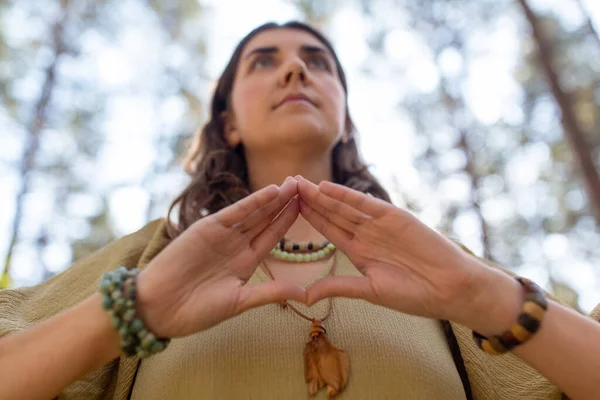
<point>285,39</point>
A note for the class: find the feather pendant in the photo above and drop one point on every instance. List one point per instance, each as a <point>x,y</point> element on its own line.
<point>325,364</point>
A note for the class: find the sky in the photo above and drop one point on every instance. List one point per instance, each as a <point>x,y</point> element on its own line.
<point>490,91</point>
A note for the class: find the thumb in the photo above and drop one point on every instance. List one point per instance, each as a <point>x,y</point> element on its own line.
<point>339,286</point>
<point>270,292</point>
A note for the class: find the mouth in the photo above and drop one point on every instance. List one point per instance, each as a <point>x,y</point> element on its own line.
<point>295,98</point>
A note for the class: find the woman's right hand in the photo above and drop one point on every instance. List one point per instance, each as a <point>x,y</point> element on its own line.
<point>199,279</point>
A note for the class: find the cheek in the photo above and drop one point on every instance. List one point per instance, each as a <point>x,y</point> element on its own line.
<point>247,101</point>
<point>336,102</point>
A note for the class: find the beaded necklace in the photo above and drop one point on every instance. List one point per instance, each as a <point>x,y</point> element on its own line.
<point>302,252</point>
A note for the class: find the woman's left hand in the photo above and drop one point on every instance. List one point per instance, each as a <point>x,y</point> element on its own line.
<point>407,266</point>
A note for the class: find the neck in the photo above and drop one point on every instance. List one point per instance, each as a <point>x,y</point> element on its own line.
<point>266,170</point>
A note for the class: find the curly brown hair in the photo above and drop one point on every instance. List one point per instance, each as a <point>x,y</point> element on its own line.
<point>219,172</point>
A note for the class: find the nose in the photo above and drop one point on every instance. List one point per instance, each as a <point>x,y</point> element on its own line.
<point>294,71</point>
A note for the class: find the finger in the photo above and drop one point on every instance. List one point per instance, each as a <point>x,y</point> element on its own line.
<point>358,200</point>
<point>347,217</point>
<point>266,240</point>
<point>240,210</point>
<point>339,237</point>
<point>270,292</point>
<point>261,218</point>
<point>334,218</point>
<point>340,286</point>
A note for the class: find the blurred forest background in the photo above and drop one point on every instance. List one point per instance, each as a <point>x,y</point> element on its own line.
<point>483,117</point>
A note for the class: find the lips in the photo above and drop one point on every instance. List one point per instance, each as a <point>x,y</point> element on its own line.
<point>294,97</point>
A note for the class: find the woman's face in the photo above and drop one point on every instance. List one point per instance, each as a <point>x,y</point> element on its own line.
<point>286,92</point>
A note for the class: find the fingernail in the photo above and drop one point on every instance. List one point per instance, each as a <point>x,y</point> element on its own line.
<point>298,177</point>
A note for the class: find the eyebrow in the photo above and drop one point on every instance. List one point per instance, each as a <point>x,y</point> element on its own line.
<point>305,48</point>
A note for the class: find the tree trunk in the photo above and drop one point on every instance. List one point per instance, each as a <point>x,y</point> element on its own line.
<point>571,126</point>
<point>33,139</point>
<point>474,178</point>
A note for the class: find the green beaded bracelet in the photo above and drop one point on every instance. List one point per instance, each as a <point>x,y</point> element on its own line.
<point>118,289</point>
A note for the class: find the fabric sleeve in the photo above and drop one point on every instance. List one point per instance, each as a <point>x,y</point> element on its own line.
<point>505,377</point>
<point>21,308</point>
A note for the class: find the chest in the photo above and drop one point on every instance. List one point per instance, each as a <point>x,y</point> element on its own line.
<point>258,355</point>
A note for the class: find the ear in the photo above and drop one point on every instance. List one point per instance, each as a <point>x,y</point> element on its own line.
<point>232,135</point>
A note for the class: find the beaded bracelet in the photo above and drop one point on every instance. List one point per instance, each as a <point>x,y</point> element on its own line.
<point>118,288</point>
<point>529,322</point>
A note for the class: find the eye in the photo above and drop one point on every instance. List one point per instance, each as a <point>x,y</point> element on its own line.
<point>262,61</point>
<point>319,62</point>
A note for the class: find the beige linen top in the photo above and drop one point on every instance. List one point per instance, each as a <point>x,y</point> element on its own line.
<point>258,355</point>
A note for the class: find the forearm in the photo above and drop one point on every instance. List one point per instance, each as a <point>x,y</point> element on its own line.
<point>566,348</point>
<point>40,362</point>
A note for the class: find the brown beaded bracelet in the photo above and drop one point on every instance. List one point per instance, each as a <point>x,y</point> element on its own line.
<point>529,322</point>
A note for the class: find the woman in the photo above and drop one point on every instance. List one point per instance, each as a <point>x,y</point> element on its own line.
<point>215,282</point>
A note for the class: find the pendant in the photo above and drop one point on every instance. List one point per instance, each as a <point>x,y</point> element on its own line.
<point>325,364</point>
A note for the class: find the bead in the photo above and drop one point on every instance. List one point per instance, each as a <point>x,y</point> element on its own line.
<point>125,343</point>
<point>157,347</point>
<point>115,322</point>
<point>528,322</point>
<point>321,253</point>
<point>116,294</point>
<point>105,282</point>
<point>119,304</point>
<point>306,257</point>
<point>107,303</point>
<point>130,292</point>
<point>148,340</point>
<point>136,325</point>
<point>331,246</point>
<point>143,353</point>
<point>313,257</point>
<point>285,256</point>
<point>534,310</point>
<point>124,331</point>
<point>520,333</point>
<point>129,315</point>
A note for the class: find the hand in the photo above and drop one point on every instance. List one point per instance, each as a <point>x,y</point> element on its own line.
<point>406,265</point>
<point>199,279</point>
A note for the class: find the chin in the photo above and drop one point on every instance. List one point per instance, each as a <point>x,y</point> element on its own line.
<point>304,130</point>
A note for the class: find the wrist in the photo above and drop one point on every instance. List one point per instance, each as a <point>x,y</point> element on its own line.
<point>495,302</point>
<point>108,339</point>
<point>146,306</point>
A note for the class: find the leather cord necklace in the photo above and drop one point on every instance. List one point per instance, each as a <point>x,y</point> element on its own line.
<point>324,363</point>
